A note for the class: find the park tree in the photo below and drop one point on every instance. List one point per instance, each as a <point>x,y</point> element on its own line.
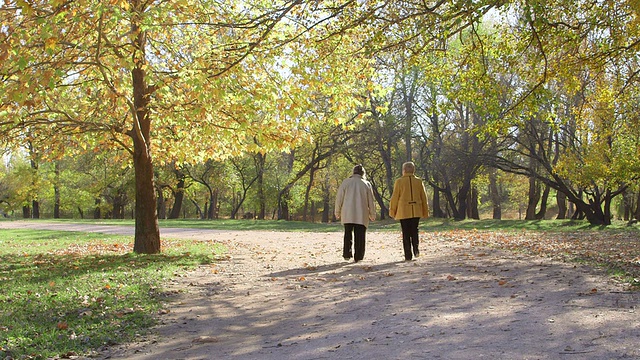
<point>168,81</point>
<point>244,175</point>
<point>580,147</point>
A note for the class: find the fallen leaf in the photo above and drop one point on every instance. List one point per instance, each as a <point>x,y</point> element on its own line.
<point>204,340</point>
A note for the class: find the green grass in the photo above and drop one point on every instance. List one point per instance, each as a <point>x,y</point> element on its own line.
<point>66,293</point>
<point>384,225</point>
<point>520,225</point>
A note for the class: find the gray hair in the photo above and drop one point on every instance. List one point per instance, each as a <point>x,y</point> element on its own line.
<point>409,167</point>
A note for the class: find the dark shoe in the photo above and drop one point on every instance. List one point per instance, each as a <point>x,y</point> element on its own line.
<point>416,254</point>
<point>346,258</point>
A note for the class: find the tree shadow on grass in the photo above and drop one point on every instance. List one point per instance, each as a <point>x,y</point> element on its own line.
<point>56,304</point>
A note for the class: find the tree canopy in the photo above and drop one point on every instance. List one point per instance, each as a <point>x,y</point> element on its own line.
<point>187,82</point>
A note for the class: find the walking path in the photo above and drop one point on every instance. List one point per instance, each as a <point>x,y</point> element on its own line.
<point>291,296</point>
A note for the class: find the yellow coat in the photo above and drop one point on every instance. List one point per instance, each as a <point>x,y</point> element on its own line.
<point>409,199</point>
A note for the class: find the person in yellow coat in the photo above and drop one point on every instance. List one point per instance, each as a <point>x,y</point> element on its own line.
<point>408,204</point>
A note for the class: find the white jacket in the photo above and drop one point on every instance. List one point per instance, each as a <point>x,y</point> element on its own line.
<point>354,201</point>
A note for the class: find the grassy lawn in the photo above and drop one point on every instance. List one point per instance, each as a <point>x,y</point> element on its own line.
<point>65,293</point>
<point>383,225</point>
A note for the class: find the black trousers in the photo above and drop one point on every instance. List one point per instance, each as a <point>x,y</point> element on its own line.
<point>357,232</point>
<point>410,237</point>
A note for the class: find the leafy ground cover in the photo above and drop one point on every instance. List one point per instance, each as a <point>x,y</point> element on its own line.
<point>615,247</point>
<point>384,225</point>
<point>616,251</point>
<point>63,293</point>
<point>67,293</point>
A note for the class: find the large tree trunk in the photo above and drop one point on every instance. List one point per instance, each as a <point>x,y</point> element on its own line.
<point>147,232</point>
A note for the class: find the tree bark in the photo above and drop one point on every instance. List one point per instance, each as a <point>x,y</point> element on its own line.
<point>161,204</point>
<point>212,212</point>
<point>473,204</point>
<point>494,193</point>
<point>260,163</point>
<point>283,204</point>
<point>561,200</point>
<point>534,197</point>
<point>540,215</point>
<point>147,232</point>
<point>307,193</point>
<point>326,205</point>
<point>56,191</point>
<point>436,208</point>
<point>637,212</point>
<point>463,193</point>
<point>97,213</point>
<point>178,195</point>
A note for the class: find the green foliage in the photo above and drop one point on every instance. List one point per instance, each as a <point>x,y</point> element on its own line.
<point>71,293</point>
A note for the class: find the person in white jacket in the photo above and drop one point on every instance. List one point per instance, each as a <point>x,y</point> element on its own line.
<point>355,207</point>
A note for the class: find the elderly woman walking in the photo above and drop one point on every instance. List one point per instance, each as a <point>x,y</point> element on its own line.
<point>408,204</point>
<point>355,206</point>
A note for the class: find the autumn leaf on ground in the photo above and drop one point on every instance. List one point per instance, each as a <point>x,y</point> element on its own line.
<point>204,340</point>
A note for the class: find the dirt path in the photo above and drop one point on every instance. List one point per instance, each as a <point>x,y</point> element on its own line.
<point>291,296</point>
